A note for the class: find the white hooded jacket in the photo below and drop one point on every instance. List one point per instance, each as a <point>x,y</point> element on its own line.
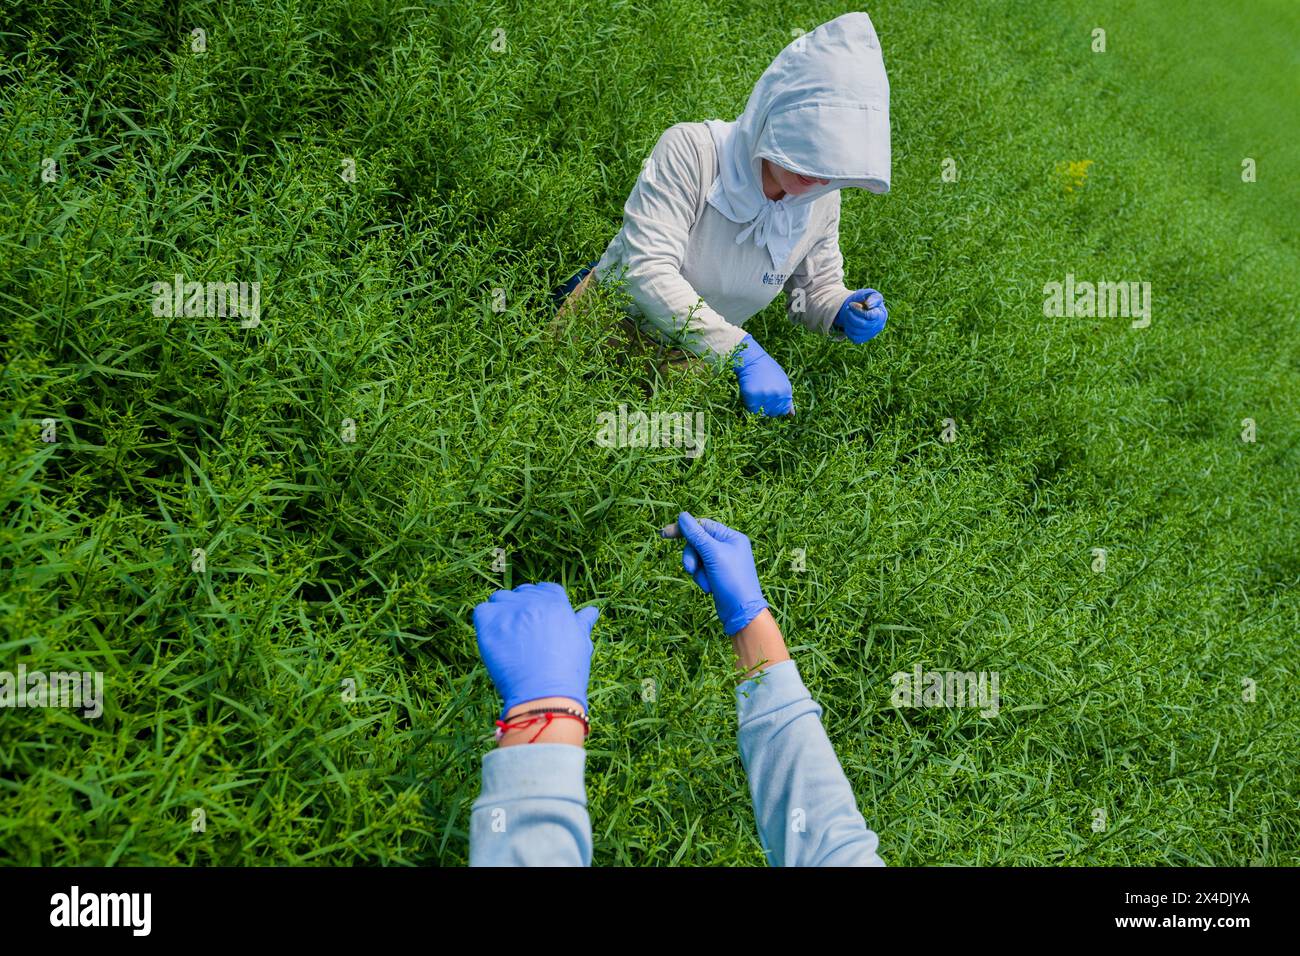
<point>698,232</point>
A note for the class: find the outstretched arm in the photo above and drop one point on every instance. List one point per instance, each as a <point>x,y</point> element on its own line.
<point>803,803</point>
<point>532,808</point>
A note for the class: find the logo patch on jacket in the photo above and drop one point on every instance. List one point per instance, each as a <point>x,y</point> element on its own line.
<point>774,279</point>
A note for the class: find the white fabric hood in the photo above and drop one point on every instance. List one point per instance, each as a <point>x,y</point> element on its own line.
<point>820,109</point>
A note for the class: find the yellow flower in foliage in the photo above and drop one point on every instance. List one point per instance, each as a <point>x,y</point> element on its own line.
<point>1074,173</point>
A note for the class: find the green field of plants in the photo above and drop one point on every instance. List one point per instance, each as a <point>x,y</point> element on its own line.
<point>268,531</point>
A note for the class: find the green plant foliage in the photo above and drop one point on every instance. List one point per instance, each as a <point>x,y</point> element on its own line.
<point>332,563</point>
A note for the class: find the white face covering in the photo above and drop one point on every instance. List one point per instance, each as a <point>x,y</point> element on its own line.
<point>821,110</point>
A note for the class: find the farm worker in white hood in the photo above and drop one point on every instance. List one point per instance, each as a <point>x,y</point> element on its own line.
<point>726,214</point>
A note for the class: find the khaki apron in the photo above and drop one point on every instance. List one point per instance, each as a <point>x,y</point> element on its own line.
<point>629,343</point>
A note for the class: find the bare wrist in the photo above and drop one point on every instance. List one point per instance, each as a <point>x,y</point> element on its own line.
<point>759,645</point>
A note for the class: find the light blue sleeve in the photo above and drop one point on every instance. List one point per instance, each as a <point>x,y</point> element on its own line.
<point>806,812</point>
<point>532,808</point>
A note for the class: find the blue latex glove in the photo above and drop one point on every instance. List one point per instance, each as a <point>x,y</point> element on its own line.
<point>763,383</point>
<point>722,564</point>
<point>862,325</point>
<point>534,645</point>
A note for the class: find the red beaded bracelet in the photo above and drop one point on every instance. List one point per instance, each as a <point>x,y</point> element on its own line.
<point>546,716</point>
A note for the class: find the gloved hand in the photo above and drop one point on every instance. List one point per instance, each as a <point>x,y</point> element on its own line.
<point>858,324</point>
<point>534,645</point>
<point>722,564</point>
<point>763,383</point>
